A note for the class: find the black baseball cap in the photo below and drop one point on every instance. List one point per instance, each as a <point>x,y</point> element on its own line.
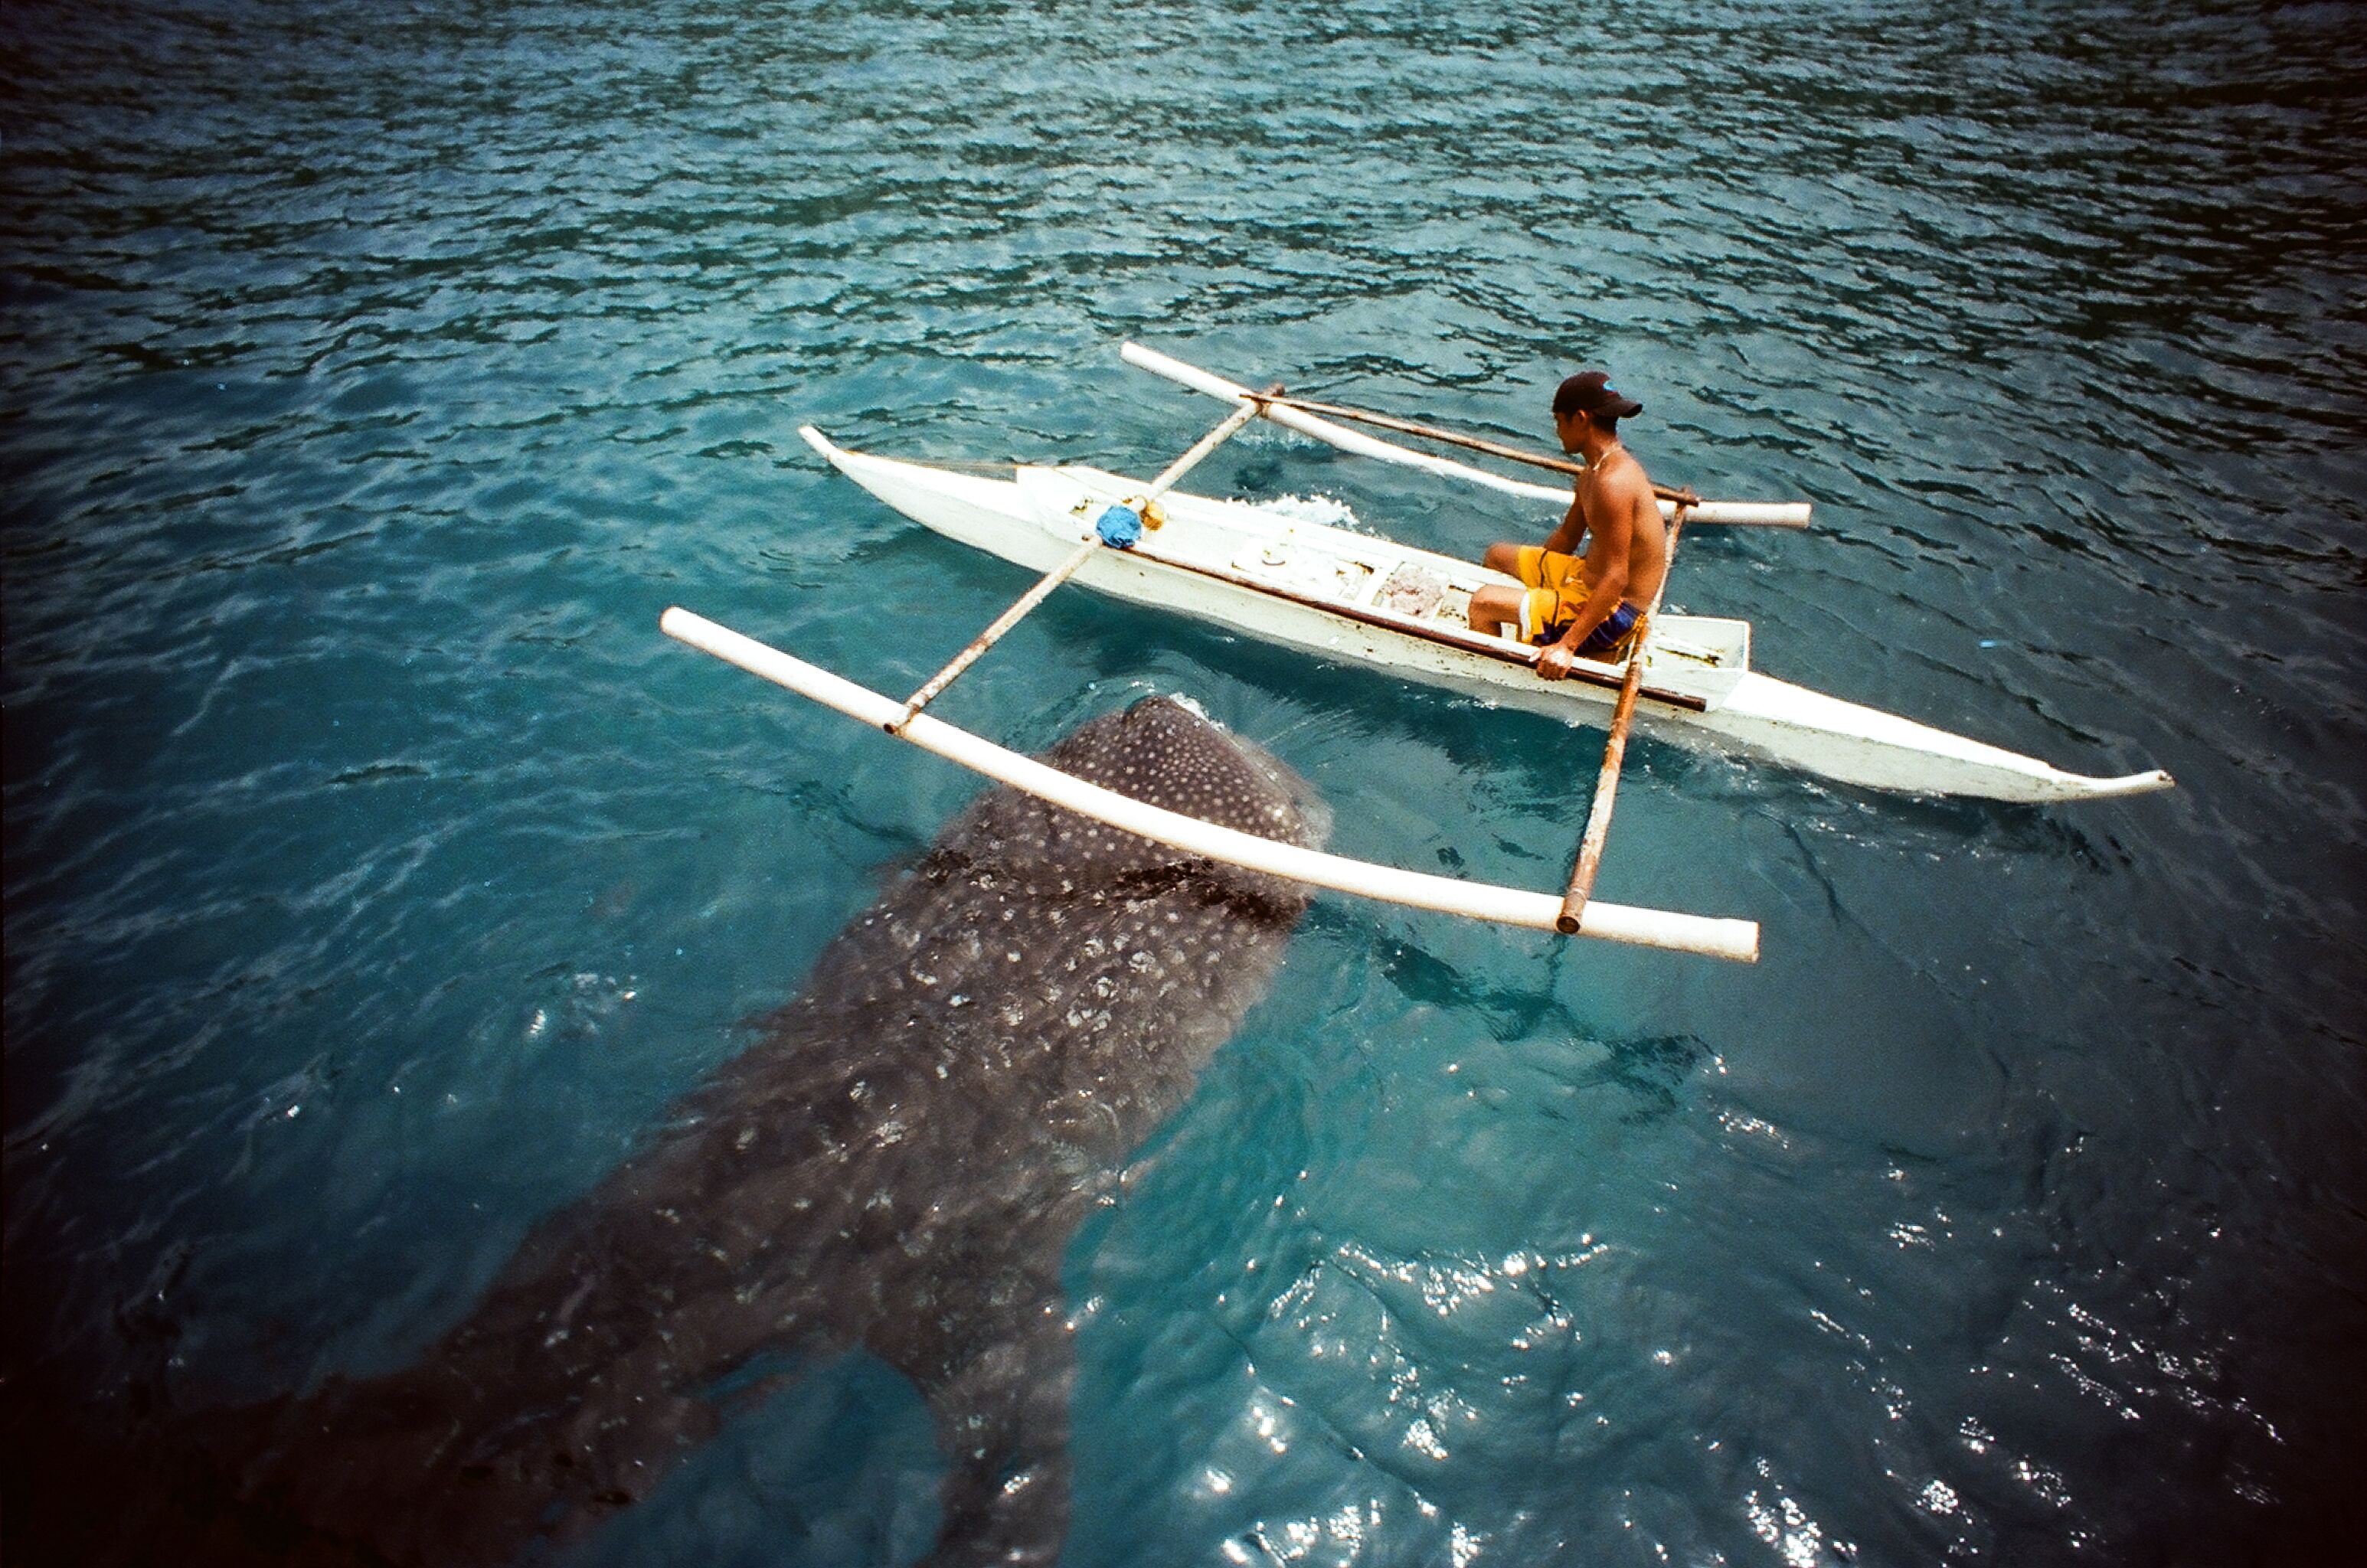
<point>1590,392</point>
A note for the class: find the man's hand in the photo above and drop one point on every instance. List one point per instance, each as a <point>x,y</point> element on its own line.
<point>1555,663</point>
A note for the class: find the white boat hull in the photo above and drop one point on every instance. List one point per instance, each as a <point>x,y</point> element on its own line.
<point>1700,690</point>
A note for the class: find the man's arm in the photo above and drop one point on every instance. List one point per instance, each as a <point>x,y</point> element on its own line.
<point>1606,565</point>
<point>1563,539</point>
<point>1605,572</point>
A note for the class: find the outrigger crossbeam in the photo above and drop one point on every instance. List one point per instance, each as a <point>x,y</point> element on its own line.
<point>1292,415</point>
<point>1120,527</point>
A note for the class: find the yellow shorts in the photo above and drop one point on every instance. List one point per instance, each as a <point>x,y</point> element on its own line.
<point>1556,593</point>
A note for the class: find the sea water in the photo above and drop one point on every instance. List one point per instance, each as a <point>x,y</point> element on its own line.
<point>372,377</point>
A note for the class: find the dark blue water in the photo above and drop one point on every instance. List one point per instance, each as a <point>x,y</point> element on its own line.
<point>371,377</point>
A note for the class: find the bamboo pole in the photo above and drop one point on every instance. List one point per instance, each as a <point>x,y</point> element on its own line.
<point>1027,602</point>
<point>1776,515</point>
<point>1737,939</point>
<point>1614,754</point>
<point>1493,448</point>
<point>993,634</point>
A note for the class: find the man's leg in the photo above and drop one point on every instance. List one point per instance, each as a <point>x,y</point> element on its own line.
<point>1496,610</point>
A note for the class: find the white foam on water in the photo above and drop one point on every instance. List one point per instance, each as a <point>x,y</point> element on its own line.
<point>1318,509</point>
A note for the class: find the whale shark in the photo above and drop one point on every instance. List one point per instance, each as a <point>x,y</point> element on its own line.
<point>897,1163</point>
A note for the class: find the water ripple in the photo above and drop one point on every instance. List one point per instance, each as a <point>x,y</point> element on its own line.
<point>369,379</point>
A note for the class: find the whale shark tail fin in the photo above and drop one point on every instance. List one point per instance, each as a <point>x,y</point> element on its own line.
<point>1003,1426</point>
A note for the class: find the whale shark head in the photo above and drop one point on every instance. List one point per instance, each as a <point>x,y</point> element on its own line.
<point>1165,751</point>
<point>898,1162</point>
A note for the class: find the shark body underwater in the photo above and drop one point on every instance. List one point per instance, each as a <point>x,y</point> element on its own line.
<point>898,1162</point>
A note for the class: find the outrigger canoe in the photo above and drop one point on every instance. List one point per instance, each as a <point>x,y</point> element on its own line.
<point>1348,595</point>
<point>1359,599</point>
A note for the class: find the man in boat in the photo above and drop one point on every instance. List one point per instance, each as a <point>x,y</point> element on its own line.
<point>1582,606</point>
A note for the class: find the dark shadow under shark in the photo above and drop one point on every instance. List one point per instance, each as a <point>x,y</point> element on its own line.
<point>899,1163</point>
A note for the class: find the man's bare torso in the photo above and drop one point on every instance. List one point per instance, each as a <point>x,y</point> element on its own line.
<point>1618,483</point>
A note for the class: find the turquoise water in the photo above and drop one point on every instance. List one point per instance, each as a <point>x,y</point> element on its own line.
<point>370,379</point>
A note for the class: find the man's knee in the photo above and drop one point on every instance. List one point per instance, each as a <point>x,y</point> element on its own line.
<point>1493,607</point>
<point>1504,557</point>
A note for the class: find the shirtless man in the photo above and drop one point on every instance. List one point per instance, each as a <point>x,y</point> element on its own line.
<point>1581,607</point>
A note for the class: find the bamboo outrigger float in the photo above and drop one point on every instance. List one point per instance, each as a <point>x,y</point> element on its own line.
<point>1478,900</point>
<point>1349,595</point>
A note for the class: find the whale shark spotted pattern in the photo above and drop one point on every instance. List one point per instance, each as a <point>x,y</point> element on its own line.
<point>898,1162</point>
